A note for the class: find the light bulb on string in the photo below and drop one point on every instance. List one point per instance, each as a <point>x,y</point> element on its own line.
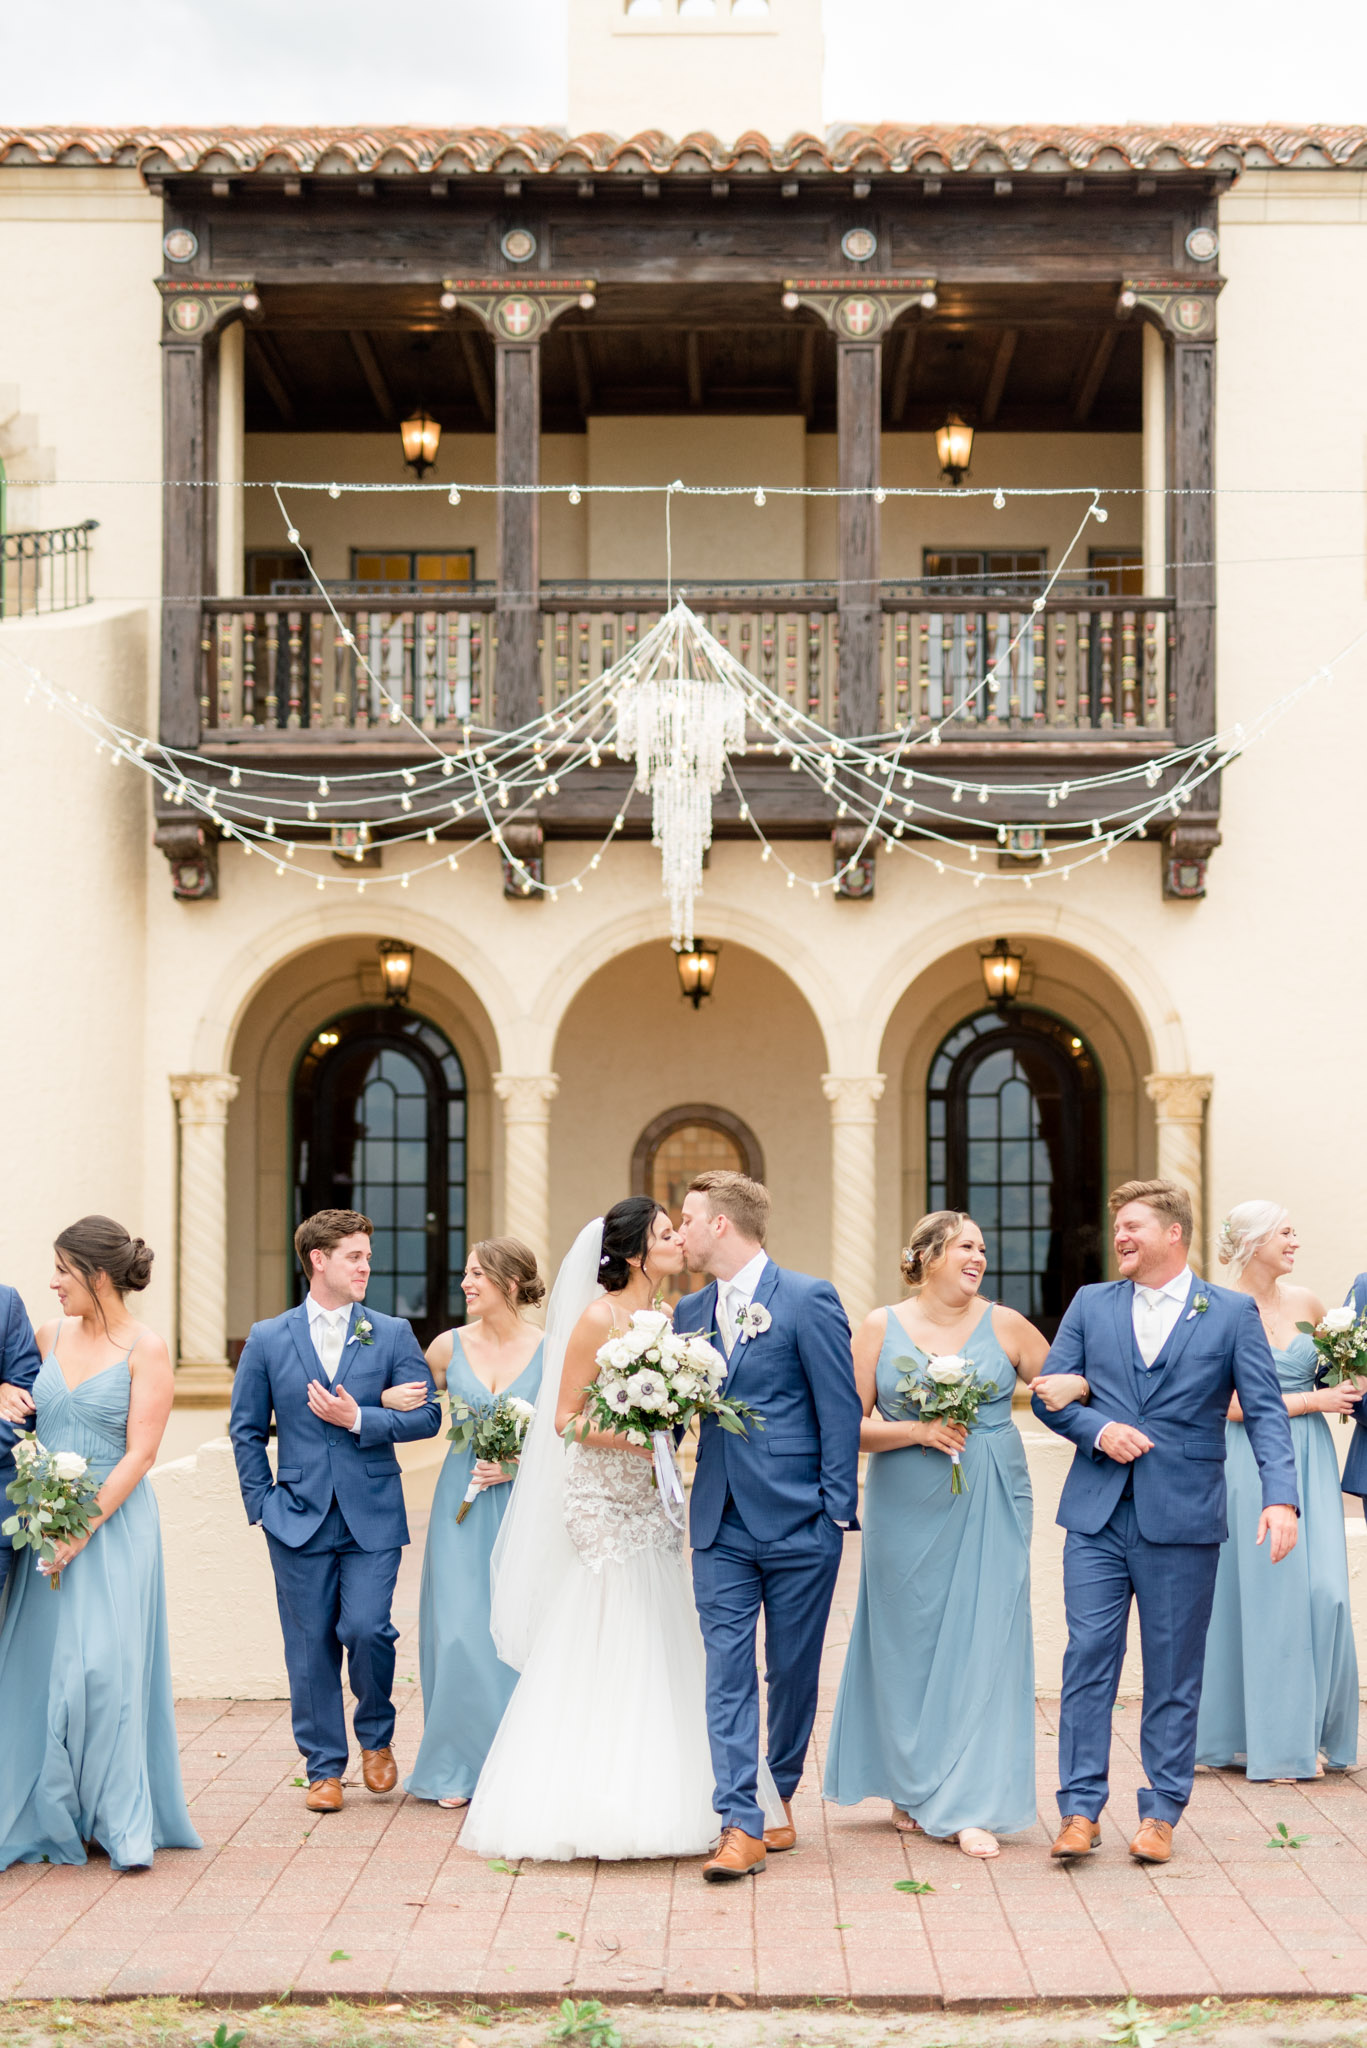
<point>574,494</point>
<point>759,497</point>
<point>999,500</point>
<point>334,491</point>
<point>453,496</point>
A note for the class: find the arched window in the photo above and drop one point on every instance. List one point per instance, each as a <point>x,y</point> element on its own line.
<point>379,1126</point>
<point>1013,1123</point>
<point>684,1142</point>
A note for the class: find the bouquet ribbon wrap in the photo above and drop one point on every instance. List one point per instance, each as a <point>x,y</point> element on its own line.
<point>667,1476</point>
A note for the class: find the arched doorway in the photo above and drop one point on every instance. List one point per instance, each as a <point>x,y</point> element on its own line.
<point>1013,1128</point>
<point>379,1125</point>
<point>682,1143</point>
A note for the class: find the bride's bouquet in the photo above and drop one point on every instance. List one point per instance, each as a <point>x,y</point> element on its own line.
<point>497,1433</point>
<point>54,1501</point>
<point>1340,1338</point>
<point>946,1389</point>
<point>653,1380</point>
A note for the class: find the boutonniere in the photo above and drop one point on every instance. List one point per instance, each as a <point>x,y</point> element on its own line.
<point>1199,1306</point>
<point>364,1332</point>
<point>752,1319</point>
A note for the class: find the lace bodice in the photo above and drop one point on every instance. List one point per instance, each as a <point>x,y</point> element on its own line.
<point>612,1507</point>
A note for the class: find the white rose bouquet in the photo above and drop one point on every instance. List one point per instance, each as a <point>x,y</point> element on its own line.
<point>497,1433</point>
<point>945,1389</point>
<point>54,1501</point>
<point>653,1380</point>
<point>1340,1338</point>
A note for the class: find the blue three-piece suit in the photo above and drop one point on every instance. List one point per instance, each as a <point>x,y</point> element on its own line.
<point>333,1516</point>
<point>19,1363</point>
<point>1152,1530</point>
<point>765,1527</point>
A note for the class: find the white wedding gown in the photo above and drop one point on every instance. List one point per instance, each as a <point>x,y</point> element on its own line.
<point>603,1749</point>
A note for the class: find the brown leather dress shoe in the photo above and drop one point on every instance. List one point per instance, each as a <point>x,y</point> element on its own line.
<point>784,1837</point>
<point>1153,1843</point>
<point>379,1770</point>
<point>324,1796</point>
<point>737,1855</point>
<point>1077,1837</point>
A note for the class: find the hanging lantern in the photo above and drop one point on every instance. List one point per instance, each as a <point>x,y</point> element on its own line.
<point>1001,973</point>
<point>954,448</point>
<point>421,436</point>
<point>697,967</point>
<point>396,968</point>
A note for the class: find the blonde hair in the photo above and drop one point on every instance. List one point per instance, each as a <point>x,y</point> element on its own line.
<point>929,1242</point>
<point>744,1201</point>
<point>1169,1201</point>
<point>511,1265</point>
<point>1247,1226</point>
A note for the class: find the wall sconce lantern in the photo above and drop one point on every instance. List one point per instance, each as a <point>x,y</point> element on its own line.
<point>396,968</point>
<point>1001,974</point>
<point>697,966</point>
<point>421,438</point>
<point>954,448</point>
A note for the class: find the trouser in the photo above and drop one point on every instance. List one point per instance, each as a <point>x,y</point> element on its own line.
<point>1174,1585</point>
<point>793,1582</point>
<point>334,1596</point>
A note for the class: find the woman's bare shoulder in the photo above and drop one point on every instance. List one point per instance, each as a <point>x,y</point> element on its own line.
<point>1304,1305</point>
<point>442,1349</point>
<point>45,1336</point>
<point>148,1352</point>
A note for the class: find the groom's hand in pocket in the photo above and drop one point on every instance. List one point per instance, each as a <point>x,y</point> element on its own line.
<point>1122,1443</point>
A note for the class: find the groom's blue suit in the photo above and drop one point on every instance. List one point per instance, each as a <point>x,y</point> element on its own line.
<point>19,1364</point>
<point>765,1527</point>
<point>1152,1530</point>
<point>1355,1464</point>
<point>333,1515</point>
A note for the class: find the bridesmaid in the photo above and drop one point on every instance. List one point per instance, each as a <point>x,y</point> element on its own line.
<point>1281,1681</point>
<point>464,1686</point>
<point>936,1709</point>
<point>88,1750</point>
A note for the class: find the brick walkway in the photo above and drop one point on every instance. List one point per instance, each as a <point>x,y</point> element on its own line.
<point>381,1898</point>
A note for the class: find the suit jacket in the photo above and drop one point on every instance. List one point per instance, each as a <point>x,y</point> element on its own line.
<point>1181,1403</point>
<point>1355,1465</point>
<point>19,1363</point>
<point>799,1376</point>
<point>319,1462</point>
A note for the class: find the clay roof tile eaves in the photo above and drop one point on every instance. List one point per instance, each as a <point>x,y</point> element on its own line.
<point>963,150</point>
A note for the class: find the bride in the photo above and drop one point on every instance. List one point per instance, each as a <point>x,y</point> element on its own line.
<point>603,1749</point>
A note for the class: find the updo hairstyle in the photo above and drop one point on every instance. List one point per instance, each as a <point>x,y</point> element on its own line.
<point>511,1265</point>
<point>1247,1226</point>
<point>97,1244</point>
<point>626,1236</point>
<point>929,1242</point>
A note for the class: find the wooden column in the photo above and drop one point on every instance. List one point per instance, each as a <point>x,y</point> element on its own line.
<point>859,388</point>
<point>517,423</point>
<point>184,538</point>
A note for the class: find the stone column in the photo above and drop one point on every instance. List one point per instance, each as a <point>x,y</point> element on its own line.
<point>1180,1101</point>
<point>202,1376</point>
<point>854,1100</point>
<point>527,1100</point>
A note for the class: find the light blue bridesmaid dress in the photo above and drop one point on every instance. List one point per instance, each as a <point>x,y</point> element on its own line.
<point>465,1688</point>
<point>88,1747</point>
<point>1281,1680</point>
<point>936,1709</point>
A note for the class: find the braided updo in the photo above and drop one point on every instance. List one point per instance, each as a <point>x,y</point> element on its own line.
<point>929,1242</point>
<point>1247,1226</point>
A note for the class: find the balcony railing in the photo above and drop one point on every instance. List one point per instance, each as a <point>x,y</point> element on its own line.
<point>1082,663</point>
<point>45,571</point>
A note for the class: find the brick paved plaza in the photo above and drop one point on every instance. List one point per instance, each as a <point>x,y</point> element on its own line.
<point>381,1899</point>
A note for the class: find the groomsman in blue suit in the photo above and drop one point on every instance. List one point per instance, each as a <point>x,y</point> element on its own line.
<point>1355,1464</point>
<point>1144,1501</point>
<point>768,1508</point>
<point>333,1514</point>
<point>19,1363</point>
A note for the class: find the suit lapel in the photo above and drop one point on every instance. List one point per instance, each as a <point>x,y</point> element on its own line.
<point>768,1281</point>
<point>1183,1327</point>
<point>1124,1322</point>
<point>352,1345</point>
<point>303,1342</point>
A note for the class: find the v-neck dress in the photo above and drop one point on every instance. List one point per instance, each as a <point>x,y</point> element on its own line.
<point>1281,1676</point>
<point>465,1688</point>
<point>88,1748</point>
<point>936,1709</point>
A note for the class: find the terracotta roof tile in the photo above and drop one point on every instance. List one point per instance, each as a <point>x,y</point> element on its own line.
<point>228,152</point>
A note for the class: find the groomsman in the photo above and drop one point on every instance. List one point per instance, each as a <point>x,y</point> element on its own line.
<point>333,1514</point>
<point>1144,1501</point>
<point>19,1363</point>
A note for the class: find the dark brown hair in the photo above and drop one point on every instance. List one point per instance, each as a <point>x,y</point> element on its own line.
<point>511,1265</point>
<point>735,1195</point>
<point>97,1244</point>
<point>1169,1201</point>
<point>325,1231</point>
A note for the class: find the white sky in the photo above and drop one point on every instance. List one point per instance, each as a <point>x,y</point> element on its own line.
<point>458,62</point>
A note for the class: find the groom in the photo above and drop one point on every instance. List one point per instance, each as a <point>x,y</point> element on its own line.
<point>1144,1501</point>
<point>334,1514</point>
<point>768,1507</point>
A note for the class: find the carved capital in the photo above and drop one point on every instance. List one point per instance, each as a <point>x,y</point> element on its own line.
<point>859,308</point>
<point>1179,1098</point>
<point>1183,307</point>
<point>854,1098</point>
<point>204,1098</point>
<point>517,309</point>
<point>856,863</point>
<point>524,861</point>
<point>526,1098</point>
<point>192,307</point>
<point>192,850</point>
<point>1187,847</point>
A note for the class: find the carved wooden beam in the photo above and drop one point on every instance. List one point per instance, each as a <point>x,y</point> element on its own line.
<point>265,360</point>
<point>1090,374</point>
<point>859,308</point>
<point>192,307</point>
<point>1184,306</point>
<point>478,375</point>
<point>517,309</point>
<point>996,381</point>
<point>364,352</point>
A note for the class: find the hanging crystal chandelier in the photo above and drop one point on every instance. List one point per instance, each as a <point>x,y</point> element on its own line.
<point>678,717</point>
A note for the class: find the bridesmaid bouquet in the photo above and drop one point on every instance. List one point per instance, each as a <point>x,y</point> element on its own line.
<point>497,1432</point>
<point>945,1390</point>
<point>1341,1341</point>
<point>54,1501</point>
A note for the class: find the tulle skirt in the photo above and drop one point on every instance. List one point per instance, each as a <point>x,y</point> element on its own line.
<point>603,1750</point>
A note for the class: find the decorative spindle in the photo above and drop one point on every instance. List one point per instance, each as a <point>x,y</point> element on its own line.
<point>1039,686</point>
<point>294,715</point>
<point>225,668</point>
<point>272,669</point>
<point>1107,670</point>
<point>1129,687</point>
<point>249,668</point>
<point>315,668</point>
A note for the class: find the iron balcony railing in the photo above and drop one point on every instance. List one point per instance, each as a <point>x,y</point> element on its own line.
<point>45,571</point>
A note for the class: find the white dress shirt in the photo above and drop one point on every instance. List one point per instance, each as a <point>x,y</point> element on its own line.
<point>731,1293</point>
<point>328,1329</point>
<point>1155,1311</point>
